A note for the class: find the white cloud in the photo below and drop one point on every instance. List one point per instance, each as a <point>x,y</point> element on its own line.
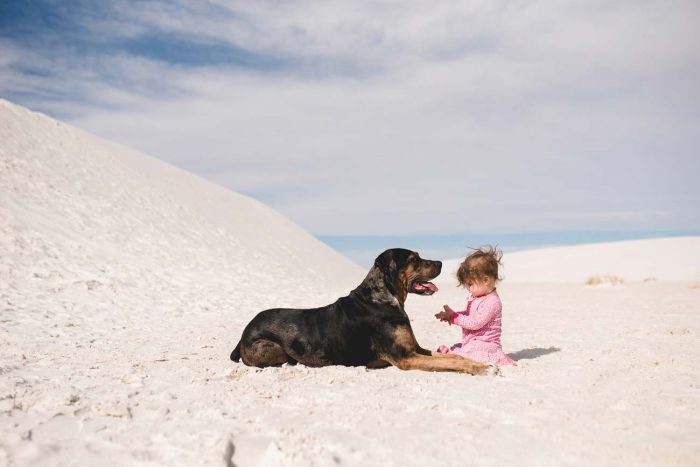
<point>409,117</point>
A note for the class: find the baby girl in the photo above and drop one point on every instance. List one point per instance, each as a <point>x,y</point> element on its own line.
<point>481,320</point>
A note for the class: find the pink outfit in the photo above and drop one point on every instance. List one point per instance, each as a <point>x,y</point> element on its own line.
<point>481,331</point>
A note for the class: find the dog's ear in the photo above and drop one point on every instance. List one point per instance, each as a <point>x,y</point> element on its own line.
<point>387,271</point>
<point>386,263</point>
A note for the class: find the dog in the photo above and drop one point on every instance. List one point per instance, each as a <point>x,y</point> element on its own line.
<point>368,327</point>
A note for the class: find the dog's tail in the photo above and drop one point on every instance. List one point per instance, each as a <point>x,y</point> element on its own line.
<point>236,354</point>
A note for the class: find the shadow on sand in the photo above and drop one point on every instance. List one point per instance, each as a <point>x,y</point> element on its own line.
<point>535,352</point>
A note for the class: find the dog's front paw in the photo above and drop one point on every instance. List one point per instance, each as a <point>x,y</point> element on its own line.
<point>492,370</point>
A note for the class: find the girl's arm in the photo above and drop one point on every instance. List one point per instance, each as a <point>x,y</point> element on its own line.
<point>478,318</point>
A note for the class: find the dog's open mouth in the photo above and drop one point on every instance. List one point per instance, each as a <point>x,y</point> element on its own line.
<point>423,287</point>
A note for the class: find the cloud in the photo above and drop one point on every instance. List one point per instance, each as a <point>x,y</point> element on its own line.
<point>367,117</point>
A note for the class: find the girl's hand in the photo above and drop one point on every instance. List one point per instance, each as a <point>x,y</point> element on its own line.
<point>444,315</point>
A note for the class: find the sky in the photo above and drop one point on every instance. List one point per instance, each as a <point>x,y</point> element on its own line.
<point>389,118</point>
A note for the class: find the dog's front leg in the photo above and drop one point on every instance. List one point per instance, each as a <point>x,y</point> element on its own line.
<point>417,361</point>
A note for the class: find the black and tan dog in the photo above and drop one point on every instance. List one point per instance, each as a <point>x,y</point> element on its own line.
<point>369,327</point>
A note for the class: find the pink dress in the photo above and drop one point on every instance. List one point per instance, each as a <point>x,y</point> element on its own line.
<point>481,331</point>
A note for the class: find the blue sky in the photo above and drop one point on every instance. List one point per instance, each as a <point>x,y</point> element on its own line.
<point>402,119</point>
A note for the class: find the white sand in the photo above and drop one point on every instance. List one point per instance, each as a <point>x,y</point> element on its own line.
<point>125,283</point>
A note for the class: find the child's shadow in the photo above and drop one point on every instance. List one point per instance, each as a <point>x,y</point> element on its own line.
<point>532,353</point>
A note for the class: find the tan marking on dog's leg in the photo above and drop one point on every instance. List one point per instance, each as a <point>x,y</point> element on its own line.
<point>443,355</point>
<point>404,338</point>
<point>434,353</point>
<point>426,363</point>
<point>491,370</point>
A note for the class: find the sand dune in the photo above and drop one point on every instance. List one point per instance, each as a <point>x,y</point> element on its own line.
<point>66,192</point>
<point>660,259</point>
<point>125,283</point>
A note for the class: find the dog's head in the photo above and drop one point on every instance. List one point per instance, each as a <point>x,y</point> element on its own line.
<point>404,271</point>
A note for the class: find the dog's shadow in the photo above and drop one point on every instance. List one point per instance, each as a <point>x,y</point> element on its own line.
<point>534,352</point>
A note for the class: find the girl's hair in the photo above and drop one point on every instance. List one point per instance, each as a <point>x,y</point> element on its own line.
<point>481,263</point>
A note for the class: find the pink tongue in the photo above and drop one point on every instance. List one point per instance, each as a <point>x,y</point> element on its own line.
<point>427,285</point>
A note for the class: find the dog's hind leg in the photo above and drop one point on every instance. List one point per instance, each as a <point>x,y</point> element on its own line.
<point>264,352</point>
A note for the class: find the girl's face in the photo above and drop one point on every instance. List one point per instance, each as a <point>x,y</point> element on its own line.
<point>481,287</point>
